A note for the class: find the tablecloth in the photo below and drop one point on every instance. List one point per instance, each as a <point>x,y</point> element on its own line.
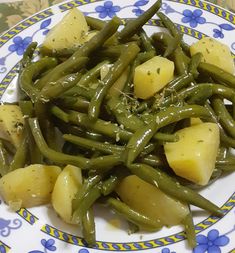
<point>13,11</point>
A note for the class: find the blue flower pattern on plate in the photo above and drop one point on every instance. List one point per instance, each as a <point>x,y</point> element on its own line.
<point>211,243</point>
<point>48,246</point>
<point>7,225</point>
<point>107,10</point>
<point>193,17</point>
<point>19,44</point>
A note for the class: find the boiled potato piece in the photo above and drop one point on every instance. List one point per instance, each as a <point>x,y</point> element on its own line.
<point>193,156</point>
<point>12,123</point>
<point>214,52</point>
<point>195,121</point>
<point>151,76</point>
<point>69,32</point>
<point>67,185</point>
<point>150,201</point>
<point>29,186</point>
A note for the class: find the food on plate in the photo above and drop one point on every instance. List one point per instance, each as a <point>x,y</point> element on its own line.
<point>214,52</point>
<point>151,76</point>
<point>11,124</point>
<point>29,186</point>
<point>193,156</point>
<point>66,186</point>
<point>121,118</point>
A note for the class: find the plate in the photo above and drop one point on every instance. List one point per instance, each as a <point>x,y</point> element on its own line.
<point>38,230</point>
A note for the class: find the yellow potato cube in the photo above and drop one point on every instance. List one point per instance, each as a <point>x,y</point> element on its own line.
<point>12,123</point>
<point>70,32</point>
<point>151,76</point>
<point>29,186</point>
<point>193,156</point>
<point>150,201</point>
<point>214,52</point>
<point>67,185</point>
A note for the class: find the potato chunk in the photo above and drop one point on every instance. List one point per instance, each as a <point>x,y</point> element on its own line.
<point>29,186</point>
<point>150,201</point>
<point>193,156</point>
<point>214,52</point>
<point>11,123</point>
<point>69,32</point>
<point>151,76</point>
<point>67,185</point>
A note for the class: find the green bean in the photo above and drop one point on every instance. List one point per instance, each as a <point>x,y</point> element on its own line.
<point>28,111</point>
<point>74,103</point>
<point>98,40</point>
<point>4,164</point>
<point>88,227</point>
<point>135,217</point>
<point>146,42</point>
<point>31,72</point>
<point>109,185</point>
<point>111,52</point>
<point>73,64</point>
<point>105,163</point>
<point>55,110</point>
<point>89,183</point>
<point>106,148</point>
<point>95,23</point>
<point>170,26</point>
<point>167,40</point>
<point>91,196</point>
<point>28,55</point>
<point>119,66</point>
<point>200,90</point>
<point>178,83</point>
<point>100,126</point>
<point>51,154</point>
<point>190,230</point>
<point>130,121</point>
<point>165,183</point>
<point>227,141</point>
<point>217,73</point>
<point>154,160</point>
<point>193,65</point>
<point>181,65</point>
<point>172,114</point>
<point>55,89</point>
<point>133,26</point>
<point>224,116</point>
<point>20,158</point>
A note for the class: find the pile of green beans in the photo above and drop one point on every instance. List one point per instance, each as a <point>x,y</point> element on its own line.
<point>107,131</point>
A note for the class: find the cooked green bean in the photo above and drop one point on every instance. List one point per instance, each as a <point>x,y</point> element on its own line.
<point>57,88</point>
<point>95,23</point>
<point>51,154</point>
<point>106,148</point>
<point>217,73</point>
<point>171,114</point>
<point>127,56</point>
<point>133,26</point>
<point>193,65</point>
<point>89,183</point>
<point>135,217</point>
<point>181,65</point>
<point>20,158</point>
<point>31,72</point>
<point>169,42</point>
<point>69,66</point>
<point>146,42</point>
<point>105,163</point>
<point>224,116</point>
<point>86,203</point>
<point>28,55</point>
<point>88,227</point>
<point>170,186</point>
<point>190,230</point>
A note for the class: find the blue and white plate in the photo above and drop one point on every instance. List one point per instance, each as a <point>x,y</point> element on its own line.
<point>39,230</point>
